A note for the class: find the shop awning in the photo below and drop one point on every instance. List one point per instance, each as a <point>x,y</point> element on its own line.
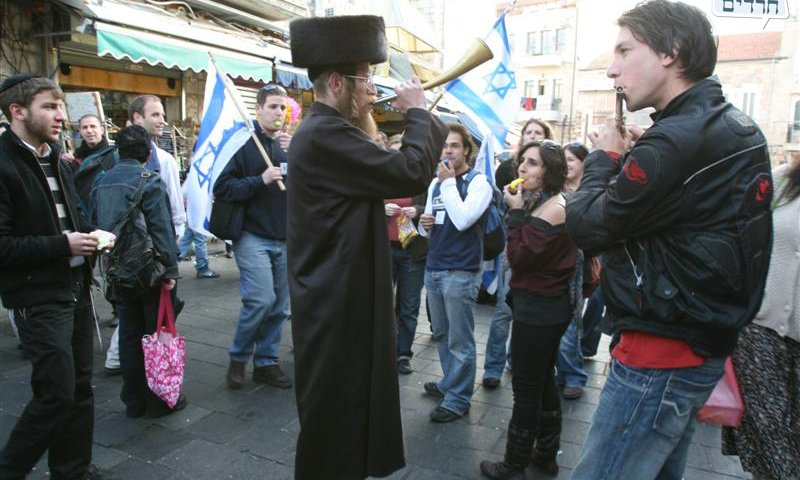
<point>139,46</point>
<point>292,77</point>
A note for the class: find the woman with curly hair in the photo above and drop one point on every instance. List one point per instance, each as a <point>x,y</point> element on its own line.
<point>542,258</point>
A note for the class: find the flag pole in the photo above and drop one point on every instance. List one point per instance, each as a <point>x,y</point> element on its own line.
<point>436,100</point>
<point>232,92</point>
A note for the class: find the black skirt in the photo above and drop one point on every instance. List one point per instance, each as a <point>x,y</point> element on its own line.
<point>768,371</point>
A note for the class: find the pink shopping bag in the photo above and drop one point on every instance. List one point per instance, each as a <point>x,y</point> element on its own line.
<point>725,405</point>
<point>165,354</point>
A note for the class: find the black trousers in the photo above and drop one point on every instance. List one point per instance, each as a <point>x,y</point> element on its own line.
<point>60,417</point>
<point>138,317</point>
<point>534,349</point>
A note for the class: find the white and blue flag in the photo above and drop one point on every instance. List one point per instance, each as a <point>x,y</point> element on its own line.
<point>223,131</point>
<point>489,92</point>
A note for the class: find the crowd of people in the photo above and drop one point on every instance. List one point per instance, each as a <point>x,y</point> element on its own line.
<point>679,218</point>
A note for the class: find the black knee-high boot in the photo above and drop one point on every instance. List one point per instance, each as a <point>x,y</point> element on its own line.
<point>548,442</point>
<point>518,453</point>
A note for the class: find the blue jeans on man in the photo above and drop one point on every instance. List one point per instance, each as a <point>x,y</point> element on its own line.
<point>200,249</point>
<point>497,351</point>
<point>264,287</point>
<point>408,276</point>
<point>579,341</point>
<point>645,421</point>
<point>451,296</point>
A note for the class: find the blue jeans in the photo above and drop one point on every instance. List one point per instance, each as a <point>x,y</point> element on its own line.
<point>496,352</point>
<point>580,340</point>
<point>200,249</point>
<point>645,421</point>
<point>408,276</point>
<point>264,286</point>
<point>451,296</point>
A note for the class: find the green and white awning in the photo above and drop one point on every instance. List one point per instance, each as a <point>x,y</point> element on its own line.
<point>154,49</point>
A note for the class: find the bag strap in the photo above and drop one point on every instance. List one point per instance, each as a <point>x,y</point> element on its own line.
<point>165,312</point>
<point>465,184</point>
<point>137,198</point>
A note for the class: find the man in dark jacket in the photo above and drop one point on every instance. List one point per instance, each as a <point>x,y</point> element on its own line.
<point>684,225</point>
<point>94,156</point>
<point>343,323</point>
<point>260,247</point>
<point>44,278</point>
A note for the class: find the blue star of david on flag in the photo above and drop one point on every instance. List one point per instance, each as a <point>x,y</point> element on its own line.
<point>500,81</point>
<point>222,133</point>
<point>488,93</point>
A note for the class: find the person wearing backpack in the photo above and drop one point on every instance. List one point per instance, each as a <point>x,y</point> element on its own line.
<point>130,193</point>
<point>452,222</point>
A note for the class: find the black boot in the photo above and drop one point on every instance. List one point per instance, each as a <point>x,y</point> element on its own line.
<point>548,442</point>
<point>518,451</point>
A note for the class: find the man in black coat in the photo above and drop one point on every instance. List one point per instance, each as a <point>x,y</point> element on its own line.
<point>343,323</point>
<point>44,279</point>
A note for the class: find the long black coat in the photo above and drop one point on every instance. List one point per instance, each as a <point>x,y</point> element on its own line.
<point>343,324</point>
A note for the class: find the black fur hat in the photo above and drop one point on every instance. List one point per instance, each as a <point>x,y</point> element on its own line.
<point>322,41</point>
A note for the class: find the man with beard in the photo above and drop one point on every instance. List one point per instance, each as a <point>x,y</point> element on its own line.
<point>343,323</point>
<point>44,279</point>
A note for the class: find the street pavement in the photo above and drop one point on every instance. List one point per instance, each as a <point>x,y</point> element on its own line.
<point>251,433</point>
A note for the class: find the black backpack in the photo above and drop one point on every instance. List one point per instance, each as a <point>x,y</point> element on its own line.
<point>132,267</point>
<point>494,232</point>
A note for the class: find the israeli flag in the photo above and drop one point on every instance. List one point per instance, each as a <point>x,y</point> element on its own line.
<point>223,131</point>
<point>484,163</point>
<point>489,92</point>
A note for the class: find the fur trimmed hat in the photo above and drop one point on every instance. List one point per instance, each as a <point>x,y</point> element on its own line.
<point>322,41</point>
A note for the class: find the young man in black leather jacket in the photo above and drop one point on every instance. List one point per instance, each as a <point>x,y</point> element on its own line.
<point>683,221</point>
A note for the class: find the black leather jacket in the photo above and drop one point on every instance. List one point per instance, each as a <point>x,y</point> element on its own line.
<point>683,222</point>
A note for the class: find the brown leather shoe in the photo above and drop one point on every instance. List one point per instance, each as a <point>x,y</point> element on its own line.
<point>272,375</point>
<point>572,393</point>
<point>235,375</point>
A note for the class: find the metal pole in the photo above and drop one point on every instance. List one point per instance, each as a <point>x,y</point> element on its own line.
<point>574,68</point>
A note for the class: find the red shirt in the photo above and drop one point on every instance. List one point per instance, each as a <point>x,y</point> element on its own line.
<point>645,350</point>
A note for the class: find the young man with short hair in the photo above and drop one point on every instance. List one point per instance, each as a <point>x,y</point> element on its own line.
<point>44,278</point>
<point>261,245</point>
<point>453,270</point>
<point>683,222</point>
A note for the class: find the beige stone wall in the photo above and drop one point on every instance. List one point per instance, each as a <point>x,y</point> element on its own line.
<point>194,85</point>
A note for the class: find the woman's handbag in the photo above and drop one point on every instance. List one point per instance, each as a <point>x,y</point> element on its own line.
<point>725,405</point>
<point>165,354</point>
